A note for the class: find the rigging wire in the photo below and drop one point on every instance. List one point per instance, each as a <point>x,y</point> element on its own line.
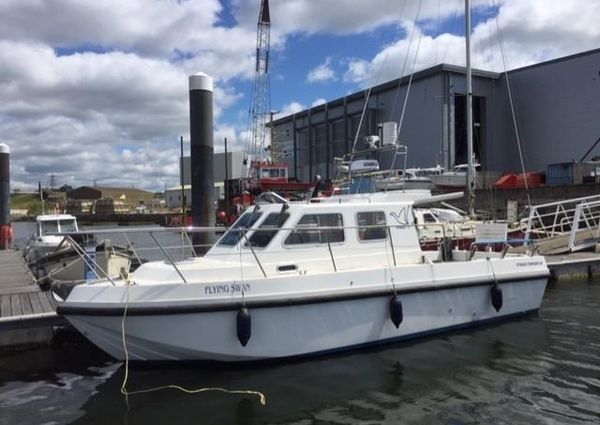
<point>412,73</point>
<point>512,107</point>
<point>410,42</point>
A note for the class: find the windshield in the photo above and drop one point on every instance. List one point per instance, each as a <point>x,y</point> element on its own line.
<point>268,229</point>
<point>236,232</point>
<point>68,225</point>
<point>48,227</point>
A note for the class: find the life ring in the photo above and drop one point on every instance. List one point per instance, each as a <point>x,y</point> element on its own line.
<point>6,235</point>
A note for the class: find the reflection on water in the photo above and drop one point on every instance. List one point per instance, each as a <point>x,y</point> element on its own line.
<point>543,369</point>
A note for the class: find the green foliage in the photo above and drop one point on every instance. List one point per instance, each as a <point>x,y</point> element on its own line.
<point>26,201</point>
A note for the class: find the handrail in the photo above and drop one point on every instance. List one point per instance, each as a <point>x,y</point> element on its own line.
<point>253,253</point>
<point>245,244</point>
<point>168,257</point>
<point>88,260</point>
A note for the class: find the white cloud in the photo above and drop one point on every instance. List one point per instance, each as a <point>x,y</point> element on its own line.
<point>115,112</point>
<point>322,73</point>
<point>317,102</point>
<point>341,16</point>
<point>290,108</point>
<point>532,31</point>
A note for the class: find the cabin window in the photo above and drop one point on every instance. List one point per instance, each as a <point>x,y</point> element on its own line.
<point>67,226</point>
<point>308,230</point>
<point>371,225</point>
<point>268,229</point>
<point>429,218</point>
<point>236,232</point>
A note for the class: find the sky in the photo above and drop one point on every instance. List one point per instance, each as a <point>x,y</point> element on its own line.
<point>98,91</point>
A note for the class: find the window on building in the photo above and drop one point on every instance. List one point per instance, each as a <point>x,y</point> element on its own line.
<point>309,230</point>
<point>371,225</point>
<point>268,229</point>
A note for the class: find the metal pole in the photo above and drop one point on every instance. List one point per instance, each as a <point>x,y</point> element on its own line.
<point>201,158</point>
<point>182,183</point>
<point>469,99</point>
<point>5,226</point>
<point>225,183</point>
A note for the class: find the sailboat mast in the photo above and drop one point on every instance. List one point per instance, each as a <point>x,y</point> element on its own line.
<point>469,99</point>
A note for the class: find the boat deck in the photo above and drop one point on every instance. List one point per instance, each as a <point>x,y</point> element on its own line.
<point>22,303</point>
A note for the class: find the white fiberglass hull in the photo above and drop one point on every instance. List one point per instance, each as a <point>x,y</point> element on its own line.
<point>303,328</point>
<point>456,181</point>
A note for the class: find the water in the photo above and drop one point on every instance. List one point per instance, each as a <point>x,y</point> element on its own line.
<point>542,370</point>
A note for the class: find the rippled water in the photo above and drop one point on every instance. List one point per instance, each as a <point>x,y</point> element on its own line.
<point>543,370</point>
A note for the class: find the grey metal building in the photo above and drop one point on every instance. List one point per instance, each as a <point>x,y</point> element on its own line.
<point>557,108</point>
<point>234,168</point>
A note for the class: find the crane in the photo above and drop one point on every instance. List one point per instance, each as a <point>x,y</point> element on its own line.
<point>261,85</point>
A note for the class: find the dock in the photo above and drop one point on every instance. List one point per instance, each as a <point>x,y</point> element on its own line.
<point>27,314</point>
<point>573,265</point>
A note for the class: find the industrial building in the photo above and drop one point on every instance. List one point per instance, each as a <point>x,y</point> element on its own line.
<point>225,167</point>
<point>107,200</point>
<point>556,104</point>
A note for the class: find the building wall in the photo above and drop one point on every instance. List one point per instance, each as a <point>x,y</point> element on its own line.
<point>557,106</point>
<point>236,168</point>
<point>558,110</point>
<point>427,127</point>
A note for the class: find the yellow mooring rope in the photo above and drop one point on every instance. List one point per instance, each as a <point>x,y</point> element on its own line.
<point>126,393</point>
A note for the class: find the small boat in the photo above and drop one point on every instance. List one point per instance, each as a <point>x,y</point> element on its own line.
<point>455,179</point>
<point>44,240</point>
<point>66,264</point>
<point>411,178</point>
<point>293,279</point>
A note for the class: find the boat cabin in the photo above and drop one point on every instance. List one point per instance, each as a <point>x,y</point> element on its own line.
<point>295,235</point>
<point>55,223</point>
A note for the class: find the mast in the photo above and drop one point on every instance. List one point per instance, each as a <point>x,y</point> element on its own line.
<point>469,99</point>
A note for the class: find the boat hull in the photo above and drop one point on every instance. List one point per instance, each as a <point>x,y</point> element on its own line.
<point>302,329</point>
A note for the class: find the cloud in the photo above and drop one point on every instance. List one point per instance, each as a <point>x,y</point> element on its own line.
<point>341,16</point>
<point>322,73</point>
<point>318,102</point>
<point>98,90</point>
<point>531,32</point>
<point>289,109</point>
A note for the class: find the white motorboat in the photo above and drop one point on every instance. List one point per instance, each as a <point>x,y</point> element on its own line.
<point>299,279</point>
<point>411,178</point>
<point>67,265</point>
<point>44,240</point>
<point>455,179</point>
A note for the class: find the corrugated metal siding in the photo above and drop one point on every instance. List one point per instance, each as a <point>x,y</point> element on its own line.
<point>560,174</point>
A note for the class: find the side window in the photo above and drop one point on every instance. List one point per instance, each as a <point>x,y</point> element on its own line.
<point>268,229</point>
<point>308,230</point>
<point>429,218</point>
<point>371,225</point>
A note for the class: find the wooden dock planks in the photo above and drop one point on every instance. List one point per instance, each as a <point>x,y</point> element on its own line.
<point>22,303</point>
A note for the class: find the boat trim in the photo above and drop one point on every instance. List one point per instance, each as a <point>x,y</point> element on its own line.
<point>84,309</point>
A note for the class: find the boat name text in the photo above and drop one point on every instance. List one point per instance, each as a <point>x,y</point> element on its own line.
<point>227,288</point>
<point>529,264</point>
